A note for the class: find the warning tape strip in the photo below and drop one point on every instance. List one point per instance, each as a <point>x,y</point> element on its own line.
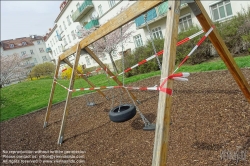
<point>61,85</point>
<point>189,54</point>
<point>159,53</point>
<point>166,90</point>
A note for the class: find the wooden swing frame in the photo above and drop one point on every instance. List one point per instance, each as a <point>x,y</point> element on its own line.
<point>160,151</point>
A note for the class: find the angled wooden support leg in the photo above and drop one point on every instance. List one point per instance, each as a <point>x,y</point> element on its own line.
<point>51,94</point>
<point>160,152</point>
<point>69,95</point>
<point>92,54</point>
<point>85,78</point>
<point>221,47</point>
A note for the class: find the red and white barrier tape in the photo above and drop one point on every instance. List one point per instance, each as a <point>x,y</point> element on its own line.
<point>197,45</point>
<point>190,53</point>
<point>61,85</point>
<point>159,53</point>
<point>166,90</point>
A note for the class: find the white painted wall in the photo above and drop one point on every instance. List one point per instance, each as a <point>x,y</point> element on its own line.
<point>109,13</point>
<point>36,58</point>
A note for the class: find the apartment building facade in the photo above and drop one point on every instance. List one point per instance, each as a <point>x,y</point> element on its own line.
<point>86,14</point>
<point>31,49</point>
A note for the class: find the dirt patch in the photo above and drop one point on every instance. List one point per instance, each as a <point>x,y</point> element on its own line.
<point>210,118</point>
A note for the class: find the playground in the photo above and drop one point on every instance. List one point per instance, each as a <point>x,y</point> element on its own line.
<point>210,115</point>
<point>201,119</point>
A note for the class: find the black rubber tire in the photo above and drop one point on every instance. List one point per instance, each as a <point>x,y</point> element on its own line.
<point>127,112</point>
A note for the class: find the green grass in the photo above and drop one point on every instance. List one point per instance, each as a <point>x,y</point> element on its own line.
<point>28,96</point>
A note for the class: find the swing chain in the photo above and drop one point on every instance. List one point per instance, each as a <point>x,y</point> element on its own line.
<point>152,41</point>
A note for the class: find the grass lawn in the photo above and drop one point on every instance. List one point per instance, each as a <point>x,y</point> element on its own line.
<point>25,97</point>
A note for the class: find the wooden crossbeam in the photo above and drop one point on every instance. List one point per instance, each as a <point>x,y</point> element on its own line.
<point>52,94</point>
<point>121,19</point>
<point>83,77</point>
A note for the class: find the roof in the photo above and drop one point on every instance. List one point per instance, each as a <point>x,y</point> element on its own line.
<point>18,42</point>
<point>49,34</point>
<point>62,11</point>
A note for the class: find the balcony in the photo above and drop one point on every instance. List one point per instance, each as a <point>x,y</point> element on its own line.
<point>152,15</point>
<point>82,10</point>
<point>29,65</point>
<point>48,50</point>
<point>26,57</point>
<point>91,24</point>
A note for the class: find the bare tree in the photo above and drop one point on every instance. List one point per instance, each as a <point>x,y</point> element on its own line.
<point>110,42</point>
<point>11,67</point>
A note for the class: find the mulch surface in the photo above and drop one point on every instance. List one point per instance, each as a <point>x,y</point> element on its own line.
<point>210,122</point>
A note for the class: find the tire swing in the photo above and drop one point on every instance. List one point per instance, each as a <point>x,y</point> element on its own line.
<point>122,113</point>
<point>125,112</point>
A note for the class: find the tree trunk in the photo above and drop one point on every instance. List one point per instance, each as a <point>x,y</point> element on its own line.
<point>113,63</point>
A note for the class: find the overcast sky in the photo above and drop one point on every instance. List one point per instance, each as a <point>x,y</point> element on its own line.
<point>24,18</point>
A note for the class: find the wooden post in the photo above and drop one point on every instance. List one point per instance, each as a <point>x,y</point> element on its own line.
<point>221,47</point>
<point>52,93</point>
<point>92,54</point>
<point>71,86</point>
<point>160,151</point>
<point>90,83</point>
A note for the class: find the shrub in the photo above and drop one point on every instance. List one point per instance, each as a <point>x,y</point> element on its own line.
<point>45,69</point>
<point>66,74</point>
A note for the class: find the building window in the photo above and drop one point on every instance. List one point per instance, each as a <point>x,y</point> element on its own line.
<point>31,52</point>
<point>221,10</point>
<point>69,39</point>
<point>38,42</point>
<point>111,3</point>
<point>157,34</point>
<point>100,10</point>
<point>64,25</point>
<point>185,23</point>
<point>23,53</point>
<point>72,12</point>
<point>44,58</point>
<point>65,41</point>
<point>41,50</point>
<point>35,61</point>
<point>73,35</point>
<point>60,27</point>
<point>104,57</point>
<point>53,41</point>
<point>24,43</point>
<point>60,48</point>
<point>138,41</point>
<point>54,52</point>
<point>114,53</point>
<point>56,39</point>
<point>77,5</point>
<point>11,45</point>
<point>87,60</point>
<point>68,19</point>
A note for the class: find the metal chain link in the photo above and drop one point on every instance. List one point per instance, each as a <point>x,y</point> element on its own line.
<point>152,41</point>
<point>144,119</point>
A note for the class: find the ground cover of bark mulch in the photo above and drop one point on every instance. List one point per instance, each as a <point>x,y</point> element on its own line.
<point>210,122</point>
